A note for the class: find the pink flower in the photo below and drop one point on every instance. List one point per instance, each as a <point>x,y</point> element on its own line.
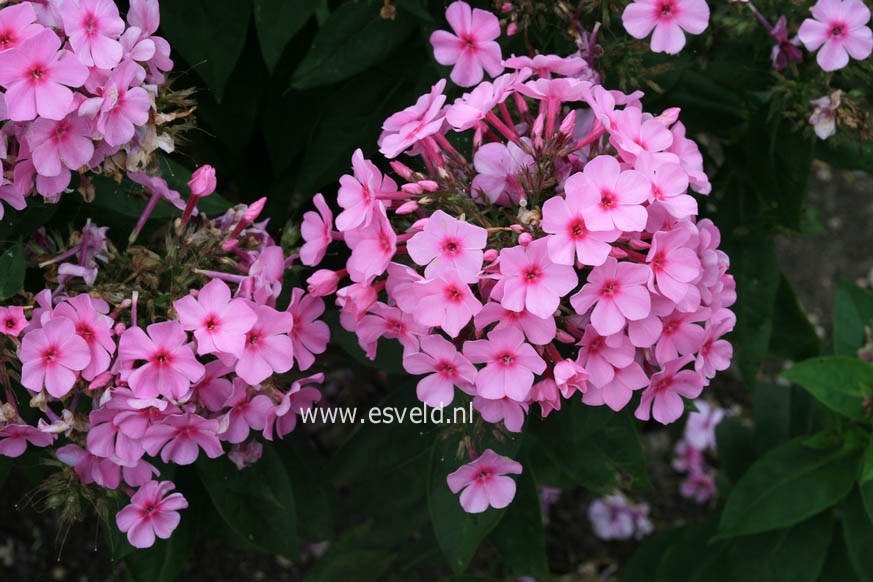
<point>14,439</point>
<point>663,396</point>
<point>213,390</point>
<point>681,335</point>
<point>358,194</point>
<point>531,281</point>
<point>317,231</point>
<point>470,110</point>
<point>122,106</point>
<point>538,330</point>
<point>698,485</point>
<point>268,349</point>
<point>308,334</point>
<point>53,143</point>
<point>669,184</point>
<point>12,320</point>
<point>373,247</point>
<point>614,517</point>
<point>839,28</point>
<point>445,301</point>
<point>715,354</point>
<point>146,15</point>
<point>37,78</point>
<point>219,322</point>
<point>93,27</point>
<point>298,399</point>
<point>618,293</point>
<point>51,356</point>
<point>634,134</point>
<point>180,437</point>
<point>613,198</point>
<point>247,411</point>
<point>151,513</point>
<point>571,240</point>
<point>506,410</point>
<point>546,65</point>
<point>510,365</point>
<point>700,426</point>
<point>675,266</point>
<point>484,482</point>
<point>170,366</point>
<point>690,159</point>
<point>472,47</point>
<point>94,328</point>
<point>405,128</point>
<point>17,24</point>
<point>668,18</point>
<point>497,166</point>
<point>388,322</point>
<point>448,244</point>
<point>602,356</point>
<point>446,368</point>
<point>686,457</point>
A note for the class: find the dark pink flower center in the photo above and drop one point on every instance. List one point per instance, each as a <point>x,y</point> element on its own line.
<point>609,289</point>
<point>50,355</point>
<point>453,294</point>
<point>666,9</point>
<point>9,323</point>
<point>37,72</point>
<point>483,475</point>
<point>253,337</point>
<point>670,327</point>
<point>61,130</point>
<point>531,275</point>
<point>148,509</point>
<point>396,326</point>
<point>446,369</point>
<point>89,23</point>
<point>84,331</point>
<point>576,229</point>
<point>7,38</point>
<point>607,199</point>
<point>506,359</point>
<point>450,246</point>
<point>162,358</point>
<point>385,242</point>
<point>663,384</point>
<point>838,30</point>
<point>658,261</point>
<point>212,323</point>
<point>469,42</point>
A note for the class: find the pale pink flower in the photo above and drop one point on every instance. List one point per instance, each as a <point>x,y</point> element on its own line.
<point>265,276</point>
<point>472,48</point>
<point>618,293</point>
<point>570,377</point>
<point>839,28</point>
<point>538,330</point>
<point>686,457</point>
<point>448,244</point>
<point>122,107</point>
<point>484,482</point>
<point>180,437</point>
<point>93,327</point>
<point>668,18</point>
<point>613,197</point>
<point>614,517</point>
<point>531,281</point>
<point>90,468</point>
<point>358,194</point>
<point>14,439</point>
<point>445,301</point>
<point>170,366</point>
<point>372,246</point>
<point>824,117</point>
<point>317,231</point>
<point>17,24</point>
<point>389,322</point>
<point>12,320</point>
<point>445,368</point>
<point>51,357</point>
<point>401,286</point>
<point>308,334</point>
<point>151,513</point>
<point>267,349</point>
<point>663,396</point>
<point>248,411</point>
<point>564,219</point>
<point>497,165</point>
<point>93,27</point>
<point>510,365</point>
<point>219,322</point>
<point>37,78</point>
<point>700,426</point>
<point>405,128</point>
<point>545,393</point>
<point>698,485</point>
<point>53,143</point>
<point>675,267</point>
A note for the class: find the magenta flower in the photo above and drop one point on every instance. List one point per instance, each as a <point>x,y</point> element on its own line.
<point>675,267</point>
<point>373,247</point>
<point>510,365</point>
<point>51,356</point>
<point>54,144</point>
<point>618,293</point>
<point>571,240</point>
<point>170,366</point>
<point>14,439</point>
<point>445,368</point>
<point>358,194</point>
<point>93,27</point>
<point>538,330</point>
<point>615,196</point>
<point>268,349</point>
<point>180,437</point>
<point>151,513</point>
<point>12,320</point>
<point>472,47</point>
<point>839,28</point>
<point>122,106</point>
<point>448,244</point>
<point>93,327</point>
<point>668,18</point>
<point>17,24</point>
<point>663,396</point>
<point>484,482</point>
<point>405,128</point>
<point>445,301</point>
<point>37,78</point>
<point>531,281</point>
<point>317,231</point>
<point>219,322</point>
<point>308,334</point>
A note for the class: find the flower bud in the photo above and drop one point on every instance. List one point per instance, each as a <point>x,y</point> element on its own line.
<point>323,282</point>
<point>511,29</point>
<point>525,239</point>
<point>412,188</point>
<point>202,182</point>
<point>407,207</point>
<point>402,170</point>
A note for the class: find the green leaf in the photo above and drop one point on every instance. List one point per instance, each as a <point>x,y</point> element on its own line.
<point>210,34</point>
<point>257,503</point>
<point>793,336</point>
<point>867,465</point>
<point>853,313</point>
<point>867,497</point>
<point>772,414</point>
<point>12,270</point>
<point>841,383</point>
<point>837,566</point>
<point>164,561</point>
<point>787,485</point>
<point>525,555</point>
<point>354,38</point>
<point>858,534</point>
<point>311,497</point>
<point>353,556</point>
<point>277,21</point>
<point>735,443</point>
<point>648,556</point>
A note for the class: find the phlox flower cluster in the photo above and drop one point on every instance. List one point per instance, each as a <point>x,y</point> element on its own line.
<point>559,257</point>
<point>202,378</point>
<point>615,517</point>
<point>80,86</point>
<point>689,453</point>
